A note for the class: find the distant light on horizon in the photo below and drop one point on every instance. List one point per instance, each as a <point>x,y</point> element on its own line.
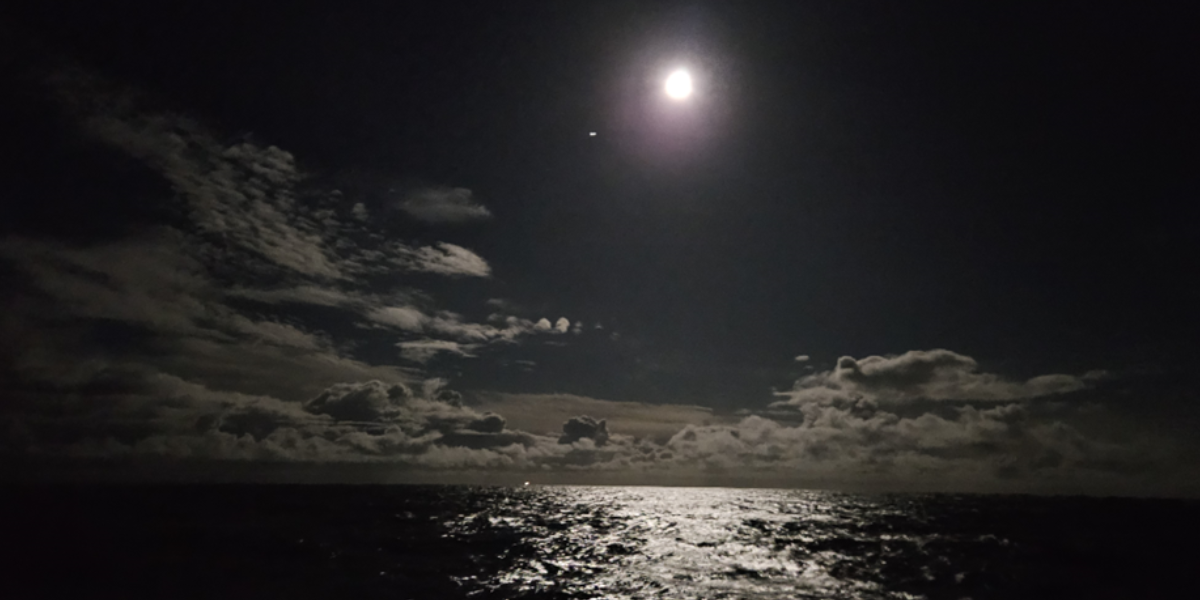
<point>679,85</point>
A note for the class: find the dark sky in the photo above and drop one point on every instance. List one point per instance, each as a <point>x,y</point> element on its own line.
<point>981,205</point>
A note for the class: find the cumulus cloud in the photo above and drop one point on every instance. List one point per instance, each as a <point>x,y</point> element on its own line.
<point>353,422</point>
<point>577,428</point>
<point>488,423</point>
<point>149,414</point>
<point>921,374</point>
<point>546,412</point>
<point>371,401</point>
<point>562,325</point>
<point>993,447</point>
<point>444,205</point>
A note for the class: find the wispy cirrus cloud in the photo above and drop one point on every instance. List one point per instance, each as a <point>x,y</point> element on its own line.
<point>424,350</point>
<point>446,331</point>
<point>443,205</point>
<point>210,299</point>
<point>249,202</point>
<point>442,258</point>
<point>428,330</point>
<point>302,294</point>
<point>171,315</point>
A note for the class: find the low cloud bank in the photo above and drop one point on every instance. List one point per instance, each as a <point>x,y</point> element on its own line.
<point>923,375</point>
<point>429,427</point>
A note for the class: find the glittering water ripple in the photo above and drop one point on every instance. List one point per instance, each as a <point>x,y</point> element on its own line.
<point>445,542</point>
<point>705,543</point>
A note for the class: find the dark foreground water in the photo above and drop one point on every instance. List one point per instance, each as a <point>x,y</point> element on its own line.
<point>587,542</point>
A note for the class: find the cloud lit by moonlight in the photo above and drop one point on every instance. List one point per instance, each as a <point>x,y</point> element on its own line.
<point>679,85</point>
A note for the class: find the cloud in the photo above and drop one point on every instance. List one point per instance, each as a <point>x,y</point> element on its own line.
<point>455,334</point>
<point>147,414</point>
<point>802,358</point>
<point>503,304</point>
<point>488,423</point>
<point>921,374</point>
<point>350,422</point>
<point>544,413</point>
<point>1008,445</point>
<point>242,194</point>
<point>267,370</point>
<point>577,428</point>
<point>143,347</point>
<point>143,413</point>
<point>148,280</point>
<point>562,325</point>
<point>278,334</point>
<point>371,401</point>
<point>210,298</point>
<point>173,314</point>
<point>442,258</point>
<point>444,205</point>
<point>422,351</point>
<point>407,318</point>
<point>303,294</point>
<point>252,204</point>
<point>440,331</point>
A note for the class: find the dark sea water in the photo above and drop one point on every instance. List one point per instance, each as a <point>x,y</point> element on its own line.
<point>587,542</point>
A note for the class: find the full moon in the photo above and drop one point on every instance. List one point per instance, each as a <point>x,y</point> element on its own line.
<point>679,85</point>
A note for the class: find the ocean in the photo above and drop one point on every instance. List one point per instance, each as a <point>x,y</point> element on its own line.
<point>550,542</point>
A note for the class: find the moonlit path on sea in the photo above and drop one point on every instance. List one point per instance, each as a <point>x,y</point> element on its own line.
<point>552,542</point>
<point>584,542</point>
<point>693,543</point>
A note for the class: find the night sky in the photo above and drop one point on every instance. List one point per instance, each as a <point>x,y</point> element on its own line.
<point>930,245</point>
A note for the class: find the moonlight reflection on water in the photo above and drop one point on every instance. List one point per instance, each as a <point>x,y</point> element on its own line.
<point>690,543</point>
<point>551,542</point>
<point>736,543</point>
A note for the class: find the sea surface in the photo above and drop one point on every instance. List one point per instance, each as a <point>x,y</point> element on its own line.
<point>443,542</point>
